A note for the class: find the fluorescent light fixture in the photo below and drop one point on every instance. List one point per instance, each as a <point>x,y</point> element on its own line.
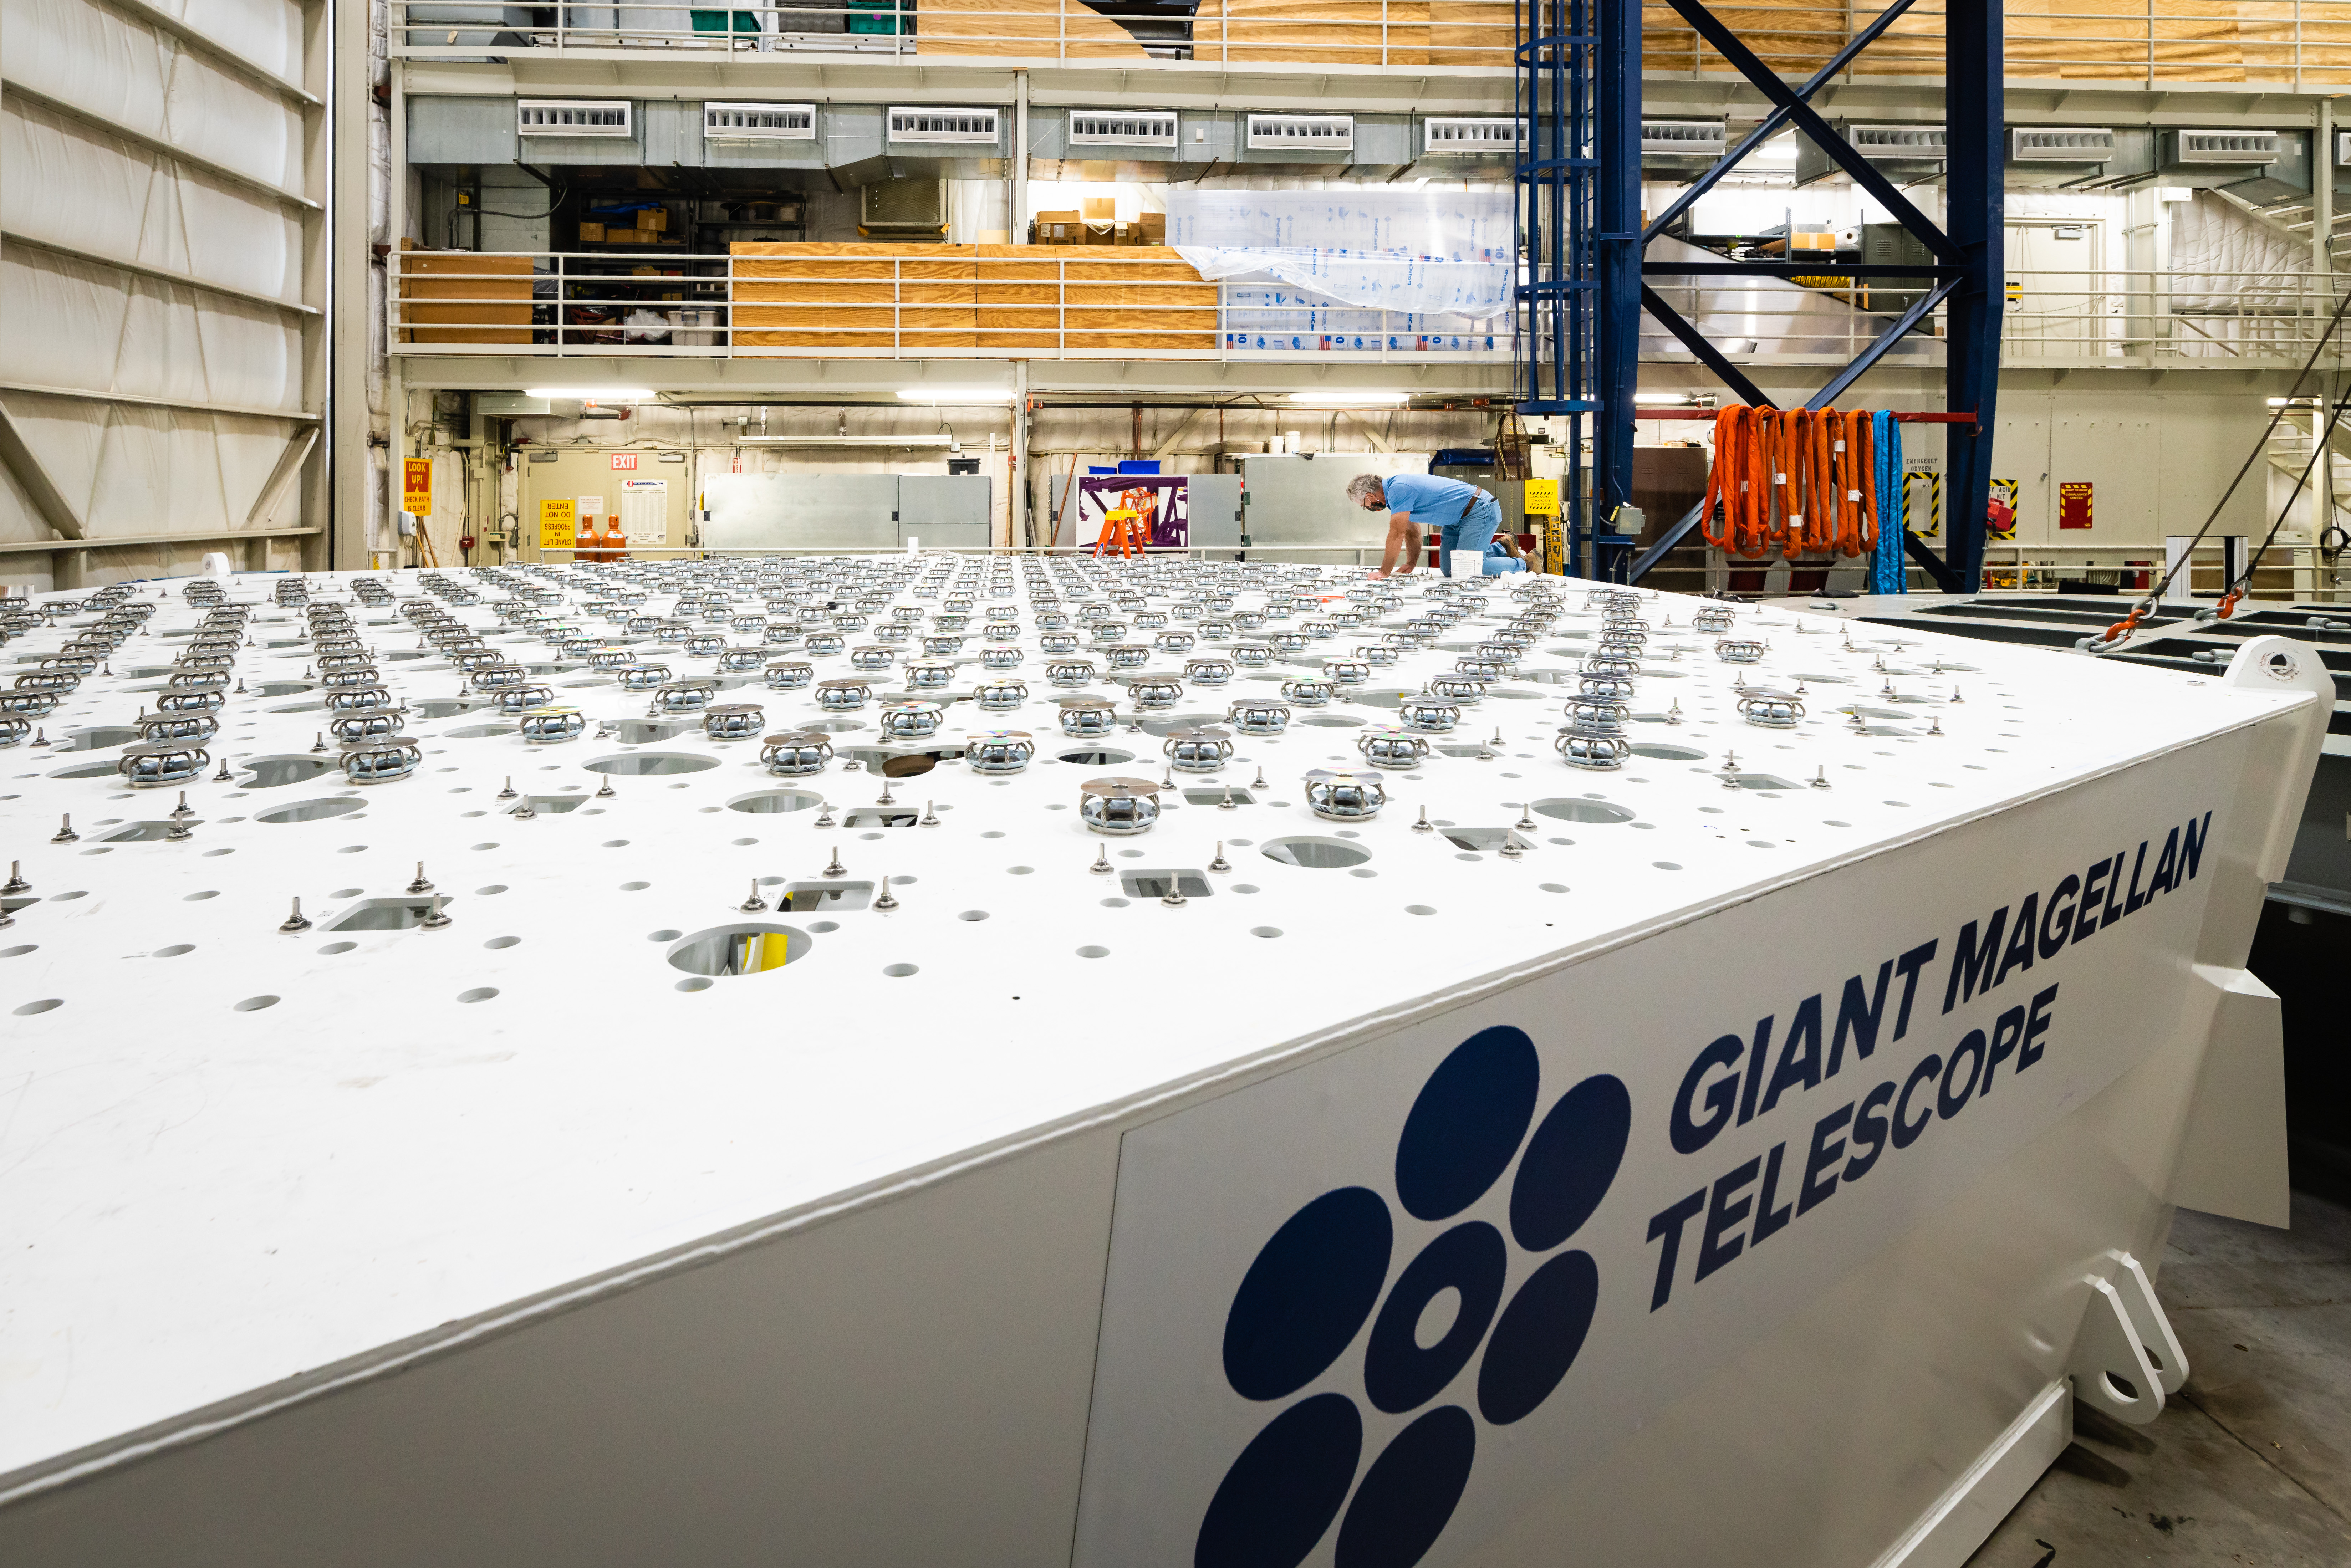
<point>956,394</point>
<point>1350,399</point>
<point>1664,400</point>
<point>593,394</point>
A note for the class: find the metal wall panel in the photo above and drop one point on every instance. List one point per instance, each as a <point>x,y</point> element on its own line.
<point>802,511</point>
<point>945,511</point>
<point>464,130</point>
<point>671,133</point>
<point>1214,506</point>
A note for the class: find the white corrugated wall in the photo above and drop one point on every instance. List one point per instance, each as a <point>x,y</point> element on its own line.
<point>159,284</point>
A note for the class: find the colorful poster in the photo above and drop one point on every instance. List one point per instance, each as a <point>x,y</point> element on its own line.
<point>1160,498</point>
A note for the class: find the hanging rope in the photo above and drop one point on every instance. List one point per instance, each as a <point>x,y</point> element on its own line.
<point>1804,481</point>
<point>1891,491</point>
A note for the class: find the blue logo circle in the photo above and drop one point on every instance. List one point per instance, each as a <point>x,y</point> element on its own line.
<point>1318,1280</point>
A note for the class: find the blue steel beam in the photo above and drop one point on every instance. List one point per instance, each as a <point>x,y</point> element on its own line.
<point>1972,95</point>
<point>1617,246</point>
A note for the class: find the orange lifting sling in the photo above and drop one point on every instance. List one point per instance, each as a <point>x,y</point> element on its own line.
<point>1801,479</point>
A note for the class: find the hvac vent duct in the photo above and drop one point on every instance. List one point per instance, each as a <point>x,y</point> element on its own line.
<point>574,117</point>
<point>1123,127</point>
<point>970,125</point>
<point>2060,145</point>
<point>759,123</point>
<point>1469,135</point>
<point>1690,139</point>
<point>2187,149</point>
<point>1302,132</point>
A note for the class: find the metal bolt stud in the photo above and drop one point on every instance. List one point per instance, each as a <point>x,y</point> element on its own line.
<point>178,832</point>
<point>182,811</point>
<point>1935,726</point>
<point>509,792</point>
<point>16,883</point>
<point>833,867</point>
<point>422,884</point>
<point>930,816</point>
<point>1730,762</point>
<point>824,817</point>
<point>886,902</point>
<point>1101,866</point>
<point>1526,822</point>
<point>1674,714</point>
<point>65,833</point>
<point>607,792</point>
<point>1820,778</point>
<point>1173,898</point>
<point>1955,695</point>
<point>1511,850</point>
<point>887,799</point>
<point>753,904</point>
<point>320,744</point>
<point>1259,782</point>
<point>294,922</point>
<point>1220,863</point>
<point>437,920</point>
<point>1424,825</point>
<point>222,776</point>
<point>240,687</point>
<point>525,812</point>
<point>40,738</point>
<point>1228,803</point>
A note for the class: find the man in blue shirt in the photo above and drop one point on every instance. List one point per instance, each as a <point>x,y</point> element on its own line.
<point>1464,516</point>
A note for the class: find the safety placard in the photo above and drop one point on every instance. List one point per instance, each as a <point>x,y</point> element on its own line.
<point>622,461</point>
<point>416,486</point>
<point>2073,504</point>
<point>1543,498</point>
<point>557,520</point>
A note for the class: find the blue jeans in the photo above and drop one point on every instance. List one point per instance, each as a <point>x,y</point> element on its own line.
<point>1475,532</point>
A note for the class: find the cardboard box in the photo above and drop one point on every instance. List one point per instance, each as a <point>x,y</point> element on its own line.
<point>591,233</point>
<point>1101,234</point>
<point>1099,209</point>
<point>626,236</point>
<point>656,219</point>
<point>1151,228</point>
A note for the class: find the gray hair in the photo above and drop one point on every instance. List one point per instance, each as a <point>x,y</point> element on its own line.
<point>1363,487</point>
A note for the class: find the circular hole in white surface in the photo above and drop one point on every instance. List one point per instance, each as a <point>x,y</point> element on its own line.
<point>175,949</point>
<point>1419,909</point>
<point>69,897</point>
<point>821,927</point>
<point>1552,886</point>
<point>210,853</point>
<point>309,811</point>
<point>900,971</point>
<point>46,1005</point>
<point>331,948</point>
<point>352,850</point>
<point>739,843</point>
<point>1090,951</point>
<point>1582,810</point>
<point>1315,854</point>
<point>1115,902</point>
<point>1019,870</point>
<point>479,993</point>
<point>634,886</point>
<point>19,950</point>
<point>1265,930</point>
<point>493,888</point>
<point>1362,872</point>
<point>992,834</point>
<point>502,942</point>
<point>663,935</point>
<point>1666,865</point>
<point>1898,803</point>
<point>699,983</point>
<point>747,947</point>
<point>1244,887</point>
<point>255,1004</point>
<point>641,764</point>
<point>204,893</point>
<point>973,914</point>
<point>1761,844</point>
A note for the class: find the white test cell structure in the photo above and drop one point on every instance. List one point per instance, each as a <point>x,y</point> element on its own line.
<point>1742,1153</point>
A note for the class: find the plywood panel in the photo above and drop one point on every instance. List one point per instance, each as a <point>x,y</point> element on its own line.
<point>430,275</point>
<point>1022,29</point>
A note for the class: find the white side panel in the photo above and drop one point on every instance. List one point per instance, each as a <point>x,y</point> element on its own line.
<point>2232,1159</point>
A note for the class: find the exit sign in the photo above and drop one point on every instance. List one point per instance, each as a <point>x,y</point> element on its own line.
<point>624,460</point>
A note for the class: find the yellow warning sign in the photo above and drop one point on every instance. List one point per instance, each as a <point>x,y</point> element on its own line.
<point>416,486</point>
<point>557,522</point>
<point>2015,292</point>
<point>1543,498</point>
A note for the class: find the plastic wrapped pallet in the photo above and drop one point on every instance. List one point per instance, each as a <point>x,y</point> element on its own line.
<point>1022,28</point>
<point>427,277</point>
<point>1325,32</point>
<point>912,298</point>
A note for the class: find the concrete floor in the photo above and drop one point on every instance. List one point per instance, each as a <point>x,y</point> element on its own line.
<point>2251,1463</point>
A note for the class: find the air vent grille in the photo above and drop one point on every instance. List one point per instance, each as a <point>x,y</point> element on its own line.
<point>1462,135</point>
<point>574,117</point>
<point>1123,127</point>
<point>1682,138</point>
<point>759,123</point>
<point>1898,142</point>
<point>1303,132</point>
<point>2060,145</point>
<point>975,125</point>
<point>2230,146</point>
